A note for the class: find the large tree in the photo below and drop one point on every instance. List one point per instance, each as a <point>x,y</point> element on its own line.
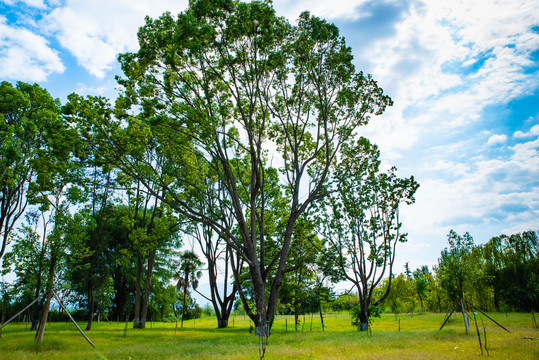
<point>35,151</point>
<point>30,128</point>
<point>150,223</point>
<point>228,81</point>
<point>362,220</point>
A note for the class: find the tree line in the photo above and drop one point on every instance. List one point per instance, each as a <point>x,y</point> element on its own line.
<point>499,275</point>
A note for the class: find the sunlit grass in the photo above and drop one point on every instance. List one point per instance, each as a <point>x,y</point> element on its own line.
<point>419,338</point>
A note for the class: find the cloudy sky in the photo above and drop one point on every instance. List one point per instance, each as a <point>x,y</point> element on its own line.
<point>464,76</point>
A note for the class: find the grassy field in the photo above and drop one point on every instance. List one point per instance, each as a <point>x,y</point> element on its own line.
<point>419,338</point>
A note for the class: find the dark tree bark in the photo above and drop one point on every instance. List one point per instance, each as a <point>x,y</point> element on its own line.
<point>212,247</point>
<point>91,305</point>
<point>147,288</point>
<point>137,320</point>
<point>121,294</point>
<point>45,313</point>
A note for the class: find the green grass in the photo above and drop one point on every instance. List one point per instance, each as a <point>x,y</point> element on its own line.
<point>419,338</point>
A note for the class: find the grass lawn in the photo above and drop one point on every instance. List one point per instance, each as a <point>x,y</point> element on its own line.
<point>419,338</point>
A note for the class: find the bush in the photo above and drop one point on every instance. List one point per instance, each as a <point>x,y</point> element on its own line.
<point>374,312</point>
<point>208,310</point>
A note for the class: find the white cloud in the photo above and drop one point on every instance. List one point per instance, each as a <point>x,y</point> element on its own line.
<point>95,32</point>
<point>336,9</point>
<point>484,194</point>
<point>497,139</point>
<point>533,132</point>
<point>460,188</point>
<point>39,4</point>
<point>487,43</point>
<point>26,56</point>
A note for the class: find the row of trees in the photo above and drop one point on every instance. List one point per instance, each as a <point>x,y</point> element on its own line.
<point>231,126</point>
<point>499,275</point>
<point>411,291</point>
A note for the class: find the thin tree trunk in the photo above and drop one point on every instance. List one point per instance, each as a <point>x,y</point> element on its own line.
<point>322,319</point>
<point>39,304</point>
<point>151,262</point>
<point>90,305</point>
<point>183,304</point>
<point>136,320</point>
<point>466,325</point>
<point>364,316</point>
<point>120,298</point>
<point>45,313</point>
<point>296,317</point>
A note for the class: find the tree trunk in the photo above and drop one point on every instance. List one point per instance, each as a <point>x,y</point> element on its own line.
<point>183,304</point>
<point>439,301</point>
<point>322,319</point>
<point>120,298</point>
<point>151,262</point>
<point>364,316</point>
<point>45,312</point>
<point>136,320</point>
<point>44,315</point>
<point>90,306</point>
<point>261,320</point>
<point>262,328</point>
<point>296,318</point>
<point>496,304</point>
<point>223,308</point>
<point>39,304</point>
<point>466,325</point>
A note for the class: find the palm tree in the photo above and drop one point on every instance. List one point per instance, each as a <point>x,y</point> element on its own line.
<point>188,275</point>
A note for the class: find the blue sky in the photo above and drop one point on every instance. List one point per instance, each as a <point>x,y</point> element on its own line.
<point>464,76</point>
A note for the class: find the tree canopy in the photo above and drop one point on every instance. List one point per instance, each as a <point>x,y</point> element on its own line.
<point>213,97</point>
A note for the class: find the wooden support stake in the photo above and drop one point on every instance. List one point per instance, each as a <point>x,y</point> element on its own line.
<point>478,334</point>
<point>105,316</point>
<point>485,336</point>
<point>447,318</point>
<point>491,319</point>
<point>72,320</point>
<point>12,318</point>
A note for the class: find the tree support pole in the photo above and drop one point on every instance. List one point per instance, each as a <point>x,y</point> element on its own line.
<point>12,318</point>
<point>447,318</point>
<point>491,319</point>
<point>478,334</point>
<point>105,316</point>
<point>72,320</point>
